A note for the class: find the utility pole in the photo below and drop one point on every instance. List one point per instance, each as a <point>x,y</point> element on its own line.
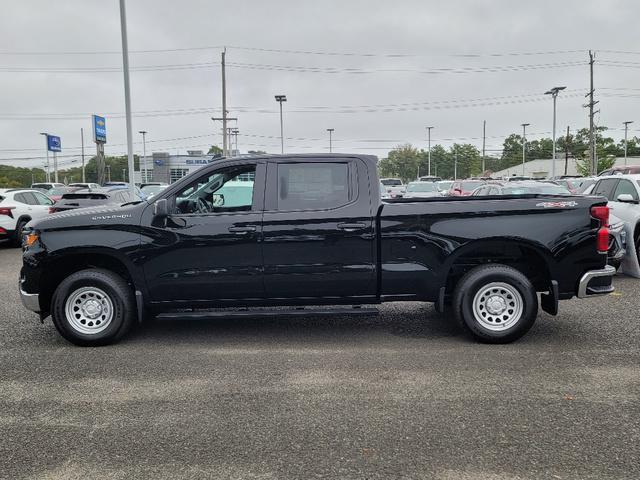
<point>484,140</point>
<point>225,150</point>
<point>82,144</point>
<point>46,146</point>
<point>144,177</point>
<point>127,95</point>
<point>591,104</point>
<point>566,152</point>
<point>429,150</point>
<point>626,129</point>
<point>224,132</point>
<point>524,144</point>
<point>280,99</point>
<point>330,130</point>
<point>554,93</point>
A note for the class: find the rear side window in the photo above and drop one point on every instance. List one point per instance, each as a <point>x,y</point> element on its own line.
<point>23,198</point>
<point>313,186</point>
<point>605,187</point>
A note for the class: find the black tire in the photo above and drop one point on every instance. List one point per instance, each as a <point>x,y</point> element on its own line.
<point>487,329</point>
<point>17,235</point>
<point>119,293</point>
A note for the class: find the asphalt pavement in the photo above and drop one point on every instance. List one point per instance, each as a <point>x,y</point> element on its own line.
<point>402,395</point>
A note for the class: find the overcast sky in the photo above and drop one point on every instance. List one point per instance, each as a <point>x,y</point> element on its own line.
<point>378,72</point>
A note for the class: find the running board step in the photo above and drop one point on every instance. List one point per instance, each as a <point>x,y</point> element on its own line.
<point>268,313</point>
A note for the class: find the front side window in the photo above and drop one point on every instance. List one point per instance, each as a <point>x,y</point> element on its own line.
<point>42,199</point>
<point>225,190</point>
<point>625,187</point>
<point>313,186</point>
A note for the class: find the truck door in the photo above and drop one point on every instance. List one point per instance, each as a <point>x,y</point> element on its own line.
<point>208,248</point>
<point>318,230</point>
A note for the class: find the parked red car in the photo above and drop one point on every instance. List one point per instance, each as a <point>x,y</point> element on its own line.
<point>464,188</point>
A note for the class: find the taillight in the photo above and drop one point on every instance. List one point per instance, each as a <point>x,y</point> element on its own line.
<point>602,214</point>
<point>52,210</point>
<point>7,211</point>
<point>602,237</point>
<point>602,241</point>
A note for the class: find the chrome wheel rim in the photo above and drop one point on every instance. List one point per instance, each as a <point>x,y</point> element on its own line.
<point>498,306</point>
<point>89,310</point>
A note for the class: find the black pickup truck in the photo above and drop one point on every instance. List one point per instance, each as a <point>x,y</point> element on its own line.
<point>248,235</point>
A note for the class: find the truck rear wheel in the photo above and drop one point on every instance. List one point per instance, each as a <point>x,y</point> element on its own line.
<point>93,307</point>
<point>495,303</point>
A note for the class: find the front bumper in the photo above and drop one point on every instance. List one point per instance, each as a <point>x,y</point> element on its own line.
<point>617,242</point>
<point>31,301</point>
<point>596,282</point>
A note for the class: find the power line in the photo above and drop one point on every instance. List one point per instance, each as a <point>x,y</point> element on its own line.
<point>344,109</point>
<point>294,51</point>
<point>291,68</point>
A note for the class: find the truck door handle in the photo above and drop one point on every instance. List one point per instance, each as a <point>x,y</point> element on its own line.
<point>351,227</point>
<point>242,230</point>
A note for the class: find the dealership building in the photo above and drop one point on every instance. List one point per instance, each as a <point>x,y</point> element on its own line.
<point>167,168</point>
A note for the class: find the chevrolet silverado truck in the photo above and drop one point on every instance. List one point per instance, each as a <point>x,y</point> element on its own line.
<point>247,236</point>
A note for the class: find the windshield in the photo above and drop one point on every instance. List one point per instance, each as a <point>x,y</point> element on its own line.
<point>444,185</point>
<point>586,184</point>
<point>471,186</point>
<point>422,187</point>
<point>391,182</point>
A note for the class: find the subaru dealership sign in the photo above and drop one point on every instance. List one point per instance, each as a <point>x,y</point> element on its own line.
<point>54,144</point>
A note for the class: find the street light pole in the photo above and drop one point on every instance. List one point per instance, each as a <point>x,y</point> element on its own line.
<point>127,95</point>
<point>626,129</point>
<point>429,150</point>
<point>144,178</point>
<point>280,99</point>
<point>554,94</point>
<point>46,144</point>
<point>524,144</point>
<point>330,130</point>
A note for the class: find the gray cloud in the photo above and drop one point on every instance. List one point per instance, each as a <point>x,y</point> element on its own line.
<point>431,35</point>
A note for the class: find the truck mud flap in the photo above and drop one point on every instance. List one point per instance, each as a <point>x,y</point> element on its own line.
<point>549,301</point>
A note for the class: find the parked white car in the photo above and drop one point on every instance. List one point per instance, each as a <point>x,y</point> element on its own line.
<point>18,206</point>
<point>623,193</point>
<point>422,190</point>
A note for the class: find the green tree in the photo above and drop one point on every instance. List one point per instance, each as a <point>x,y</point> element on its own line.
<point>215,150</point>
<point>401,162</point>
<point>583,165</point>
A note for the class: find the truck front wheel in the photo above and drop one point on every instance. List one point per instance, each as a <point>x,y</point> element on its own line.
<point>93,307</point>
<point>495,303</point>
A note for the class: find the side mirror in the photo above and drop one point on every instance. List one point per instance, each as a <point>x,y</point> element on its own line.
<point>160,208</point>
<point>218,199</point>
<point>626,198</point>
